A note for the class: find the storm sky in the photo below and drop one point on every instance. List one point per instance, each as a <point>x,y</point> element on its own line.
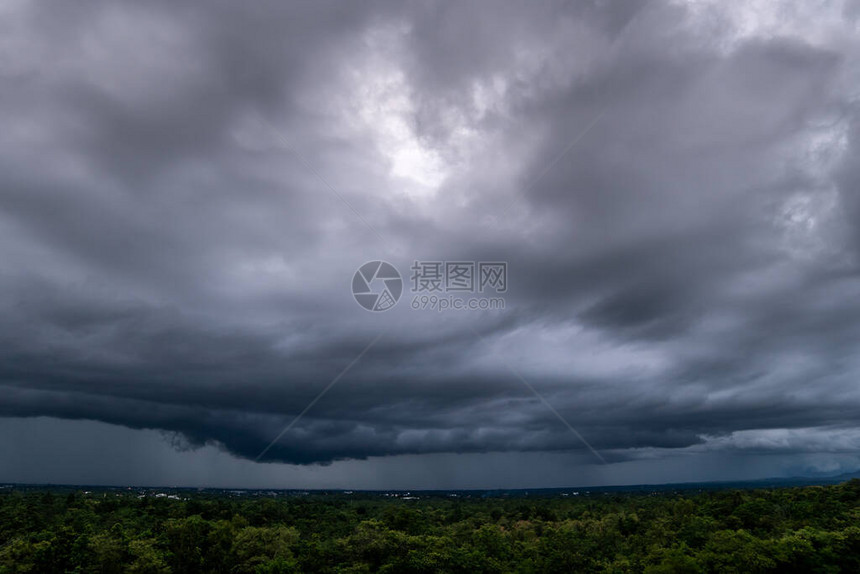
<point>186,190</point>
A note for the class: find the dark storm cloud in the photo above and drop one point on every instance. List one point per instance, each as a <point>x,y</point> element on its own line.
<point>671,185</point>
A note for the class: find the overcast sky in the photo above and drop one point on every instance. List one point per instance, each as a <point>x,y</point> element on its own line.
<point>186,190</point>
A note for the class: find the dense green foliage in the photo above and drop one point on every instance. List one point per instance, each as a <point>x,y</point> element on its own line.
<point>811,529</point>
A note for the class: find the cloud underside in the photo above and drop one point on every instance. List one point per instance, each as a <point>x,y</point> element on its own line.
<point>187,191</point>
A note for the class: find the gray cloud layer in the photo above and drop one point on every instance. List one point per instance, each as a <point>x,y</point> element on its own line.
<point>673,185</point>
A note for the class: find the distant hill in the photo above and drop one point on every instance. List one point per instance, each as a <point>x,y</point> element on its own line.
<point>465,493</point>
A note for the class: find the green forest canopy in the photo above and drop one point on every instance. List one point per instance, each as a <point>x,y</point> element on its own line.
<point>809,529</point>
